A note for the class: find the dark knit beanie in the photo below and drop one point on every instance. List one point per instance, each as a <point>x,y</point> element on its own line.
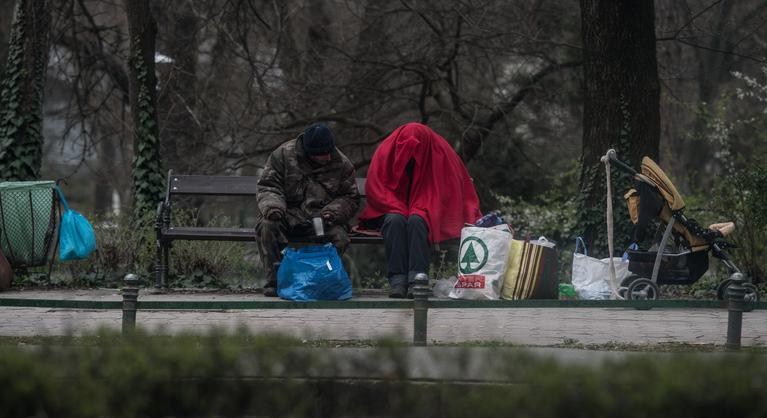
<point>318,140</point>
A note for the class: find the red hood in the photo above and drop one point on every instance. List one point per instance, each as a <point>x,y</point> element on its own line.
<point>442,192</point>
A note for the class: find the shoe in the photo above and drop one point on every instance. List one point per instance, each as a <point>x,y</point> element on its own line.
<point>398,292</point>
<point>270,289</point>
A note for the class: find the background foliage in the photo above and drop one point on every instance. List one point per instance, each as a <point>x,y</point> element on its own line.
<point>501,81</point>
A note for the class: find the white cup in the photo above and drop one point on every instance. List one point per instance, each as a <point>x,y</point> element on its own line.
<point>319,228</point>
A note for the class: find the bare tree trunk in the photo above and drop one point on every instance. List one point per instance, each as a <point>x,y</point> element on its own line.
<point>621,106</point>
<point>21,94</point>
<point>180,144</point>
<point>147,171</point>
<point>103,185</point>
<point>5,27</point>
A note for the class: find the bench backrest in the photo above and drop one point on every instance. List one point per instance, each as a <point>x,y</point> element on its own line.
<point>222,185</point>
<point>212,185</point>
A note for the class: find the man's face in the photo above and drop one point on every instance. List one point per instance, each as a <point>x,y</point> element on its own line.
<point>320,159</point>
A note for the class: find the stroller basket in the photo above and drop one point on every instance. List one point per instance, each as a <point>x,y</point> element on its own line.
<point>682,268</point>
<point>27,221</point>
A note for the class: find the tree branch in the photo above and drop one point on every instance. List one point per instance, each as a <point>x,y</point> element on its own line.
<point>515,100</point>
<point>689,22</point>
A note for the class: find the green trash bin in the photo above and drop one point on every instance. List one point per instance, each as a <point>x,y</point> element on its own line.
<point>28,222</point>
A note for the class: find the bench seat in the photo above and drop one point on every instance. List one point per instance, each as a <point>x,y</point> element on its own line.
<point>241,234</point>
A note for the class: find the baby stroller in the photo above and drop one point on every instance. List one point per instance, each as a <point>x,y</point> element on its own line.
<point>679,253</point>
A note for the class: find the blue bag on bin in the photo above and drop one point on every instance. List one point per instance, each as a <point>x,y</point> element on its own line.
<point>313,273</point>
<point>76,237</point>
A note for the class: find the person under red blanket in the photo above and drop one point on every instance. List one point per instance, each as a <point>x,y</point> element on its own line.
<point>418,193</point>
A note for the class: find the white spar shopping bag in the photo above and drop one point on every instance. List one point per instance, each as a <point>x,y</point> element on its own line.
<point>591,276</point>
<point>482,260</point>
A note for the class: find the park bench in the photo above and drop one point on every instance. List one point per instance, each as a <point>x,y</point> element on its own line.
<point>197,185</point>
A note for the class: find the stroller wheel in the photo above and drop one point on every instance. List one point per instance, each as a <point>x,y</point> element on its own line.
<point>628,279</point>
<point>625,284</point>
<point>752,293</point>
<point>642,289</point>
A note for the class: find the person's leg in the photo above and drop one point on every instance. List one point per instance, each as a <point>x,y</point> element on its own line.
<point>394,231</point>
<point>337,235</point>
<point>418,249</point>
<point>270,237</point>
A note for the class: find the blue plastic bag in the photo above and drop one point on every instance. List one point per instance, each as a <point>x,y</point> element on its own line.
<point>76,237</point>
<point>489,220</point>
<point>313,273</point>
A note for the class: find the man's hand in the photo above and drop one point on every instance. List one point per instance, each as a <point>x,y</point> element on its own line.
<point>328,216</point>
<point>273,215</point>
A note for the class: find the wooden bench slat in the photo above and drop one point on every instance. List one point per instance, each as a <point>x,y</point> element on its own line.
<point>225,185</point>
<point>242,234</point>
<point>210,234</point>
<point>213,185</point>
<point>364,239</point>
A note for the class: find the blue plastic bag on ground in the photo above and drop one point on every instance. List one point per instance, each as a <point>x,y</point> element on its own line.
<point>313,273</point>
<point>76,237</point>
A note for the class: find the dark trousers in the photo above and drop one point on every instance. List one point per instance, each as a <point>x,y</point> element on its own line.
<point>407,247</point>
<point>272,237</point>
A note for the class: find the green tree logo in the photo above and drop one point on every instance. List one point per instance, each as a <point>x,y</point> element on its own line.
<point>470,263</point>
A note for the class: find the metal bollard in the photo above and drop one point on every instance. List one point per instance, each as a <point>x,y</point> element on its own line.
<point>420,308</point>
<point>735,294</point>
<point>130,303</point>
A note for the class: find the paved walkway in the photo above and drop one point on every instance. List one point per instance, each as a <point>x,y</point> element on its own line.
<point>528,326</point>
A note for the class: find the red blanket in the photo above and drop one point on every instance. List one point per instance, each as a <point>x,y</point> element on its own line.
<point>441,191</point>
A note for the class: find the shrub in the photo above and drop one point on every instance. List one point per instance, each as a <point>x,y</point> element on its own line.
<point>552,215</point>
<point>209,264</point>
<point>245,375</point>
<point>124,246</point>
<point>742,198</point>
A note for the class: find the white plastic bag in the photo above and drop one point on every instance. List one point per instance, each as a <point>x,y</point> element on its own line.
<point>482,261</point>
<point>443,287</point>
<point>591,276</point>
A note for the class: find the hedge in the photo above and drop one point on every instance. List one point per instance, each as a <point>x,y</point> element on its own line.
<point>246,375</point>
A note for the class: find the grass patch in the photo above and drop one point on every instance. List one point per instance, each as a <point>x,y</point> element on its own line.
<point>663,347</point>
<point>245,340</point>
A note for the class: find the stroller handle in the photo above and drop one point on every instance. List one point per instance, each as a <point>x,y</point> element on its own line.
<point>618,163</point>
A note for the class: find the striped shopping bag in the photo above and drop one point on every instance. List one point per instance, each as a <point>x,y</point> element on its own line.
<point>531,271</point>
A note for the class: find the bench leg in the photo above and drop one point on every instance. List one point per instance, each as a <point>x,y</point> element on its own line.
<point>165,263</point>
<point>158,264</point>
<point>161,264</point>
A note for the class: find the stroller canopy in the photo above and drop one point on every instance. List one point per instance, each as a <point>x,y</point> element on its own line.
<point>665,203</point>
<point>666,188</point>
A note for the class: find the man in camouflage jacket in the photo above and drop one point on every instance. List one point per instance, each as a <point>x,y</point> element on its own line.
<point>303,178</point>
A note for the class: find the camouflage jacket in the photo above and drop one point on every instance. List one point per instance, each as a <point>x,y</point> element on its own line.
<point>301,189</point>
